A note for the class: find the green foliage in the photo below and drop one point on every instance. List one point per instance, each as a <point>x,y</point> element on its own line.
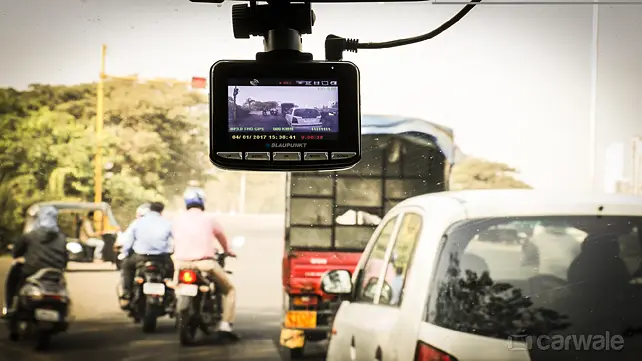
<point>154,143</point>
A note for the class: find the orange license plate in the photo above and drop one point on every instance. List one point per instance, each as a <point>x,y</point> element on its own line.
<point>301,319</point>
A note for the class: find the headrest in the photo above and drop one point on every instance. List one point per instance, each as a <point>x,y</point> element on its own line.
<point>603,245</point>
<point>474,263</point>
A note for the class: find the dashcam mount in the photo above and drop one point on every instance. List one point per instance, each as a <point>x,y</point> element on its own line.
<point>281,25</point>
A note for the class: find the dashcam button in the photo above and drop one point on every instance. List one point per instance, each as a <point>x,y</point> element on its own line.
<point>343,155</point>
<point>231,155</point>
<point>316,156</point>
<point>286,156</point>
<point>257,156</point>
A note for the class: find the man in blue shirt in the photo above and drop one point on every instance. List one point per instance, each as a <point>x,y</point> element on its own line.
<point>150,239</point>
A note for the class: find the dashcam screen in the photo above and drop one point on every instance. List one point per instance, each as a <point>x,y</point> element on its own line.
<point>278,106</point>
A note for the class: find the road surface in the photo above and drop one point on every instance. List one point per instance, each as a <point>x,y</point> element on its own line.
<point>102,332</point>
<point>257,120</point>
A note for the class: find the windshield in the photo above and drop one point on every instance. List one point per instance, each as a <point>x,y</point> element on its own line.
<point>575,275</point>
<point>306,113</point>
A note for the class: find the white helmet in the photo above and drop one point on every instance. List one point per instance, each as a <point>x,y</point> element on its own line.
<point>142,210</point>
<point>194,197</point>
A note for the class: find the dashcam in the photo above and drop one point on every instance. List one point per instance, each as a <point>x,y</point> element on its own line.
<point>284,117</point>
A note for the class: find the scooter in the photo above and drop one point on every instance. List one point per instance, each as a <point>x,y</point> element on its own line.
<point>41,308</point>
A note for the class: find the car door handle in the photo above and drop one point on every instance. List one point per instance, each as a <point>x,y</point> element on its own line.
<point>378,354</point>
<point>353,350</point>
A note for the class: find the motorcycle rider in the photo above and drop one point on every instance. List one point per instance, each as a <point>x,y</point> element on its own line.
<point>128,264</point>
<point>45,246</point>
<point>194,232</point>
<point>150,240</point>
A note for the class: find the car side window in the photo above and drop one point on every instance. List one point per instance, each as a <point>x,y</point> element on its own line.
<point>369,275</point>
<point>399,261</point>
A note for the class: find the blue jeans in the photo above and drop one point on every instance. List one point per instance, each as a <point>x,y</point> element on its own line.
<point>98,245</point>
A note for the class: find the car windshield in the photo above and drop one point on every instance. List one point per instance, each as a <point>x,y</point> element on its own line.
<point>306,113</point>
<point>573,275</point>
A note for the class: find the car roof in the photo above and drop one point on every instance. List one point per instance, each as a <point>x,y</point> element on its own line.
<point>62,206</point>
<point>528,202</point>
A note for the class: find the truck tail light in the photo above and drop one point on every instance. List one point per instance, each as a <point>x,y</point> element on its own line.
<point>305,301</point>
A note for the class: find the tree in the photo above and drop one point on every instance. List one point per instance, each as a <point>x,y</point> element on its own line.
<point>475,173</point>
<point>154,136</point>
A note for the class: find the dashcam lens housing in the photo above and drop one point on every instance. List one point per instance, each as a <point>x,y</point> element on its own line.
<point>294,116</point>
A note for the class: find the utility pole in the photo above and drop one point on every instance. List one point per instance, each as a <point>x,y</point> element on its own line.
<point>593,110</point>
<point>100,113</point>
<point>635,166</point>
<point>242,193</point>
<point>236,92</point>
<point>195,83</point>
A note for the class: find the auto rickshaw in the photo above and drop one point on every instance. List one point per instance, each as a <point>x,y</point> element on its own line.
<point>105,224</point>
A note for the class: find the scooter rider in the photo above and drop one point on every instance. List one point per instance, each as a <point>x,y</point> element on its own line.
<point>150,240</point>
<point>128,265</point>
<point>194,232</point>
<point>45,246</point>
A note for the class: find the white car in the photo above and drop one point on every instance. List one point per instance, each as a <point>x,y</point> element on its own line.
<point>433,285</point>
<point>303,116</point>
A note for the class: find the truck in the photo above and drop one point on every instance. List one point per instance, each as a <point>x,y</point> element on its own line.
<point>330,216</point>
<point>285,107</point>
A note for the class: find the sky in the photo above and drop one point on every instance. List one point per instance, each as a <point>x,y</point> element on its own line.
<point>301,96</point>
<point>513,81</point>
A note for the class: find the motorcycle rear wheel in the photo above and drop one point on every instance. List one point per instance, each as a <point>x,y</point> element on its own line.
<point>187,328</point>
<point>150,319</point>
<point>296,353</point>
<point>42,340</point>
<point>14,329</point>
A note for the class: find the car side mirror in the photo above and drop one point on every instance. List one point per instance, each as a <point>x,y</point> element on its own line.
<point>336,282</point>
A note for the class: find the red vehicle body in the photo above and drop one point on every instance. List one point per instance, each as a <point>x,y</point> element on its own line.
<point>330,216</point>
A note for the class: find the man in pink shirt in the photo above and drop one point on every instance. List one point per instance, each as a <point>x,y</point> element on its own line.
<point>194,247</point>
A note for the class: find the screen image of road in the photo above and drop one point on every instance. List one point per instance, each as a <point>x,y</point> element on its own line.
<point>309,109</point>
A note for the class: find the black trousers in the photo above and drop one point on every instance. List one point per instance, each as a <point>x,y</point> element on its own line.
<point>15,279</point>
<point>127,273</point>
<point>131,263</point>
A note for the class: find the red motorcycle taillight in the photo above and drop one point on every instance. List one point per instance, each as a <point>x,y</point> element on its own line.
<point>187,276</point>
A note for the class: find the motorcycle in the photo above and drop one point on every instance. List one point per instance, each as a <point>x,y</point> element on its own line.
<point>42,308</point>
<point>151,298</point>
<point>199,300</point>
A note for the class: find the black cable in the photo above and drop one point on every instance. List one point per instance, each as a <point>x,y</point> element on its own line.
<point>335,45</point>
